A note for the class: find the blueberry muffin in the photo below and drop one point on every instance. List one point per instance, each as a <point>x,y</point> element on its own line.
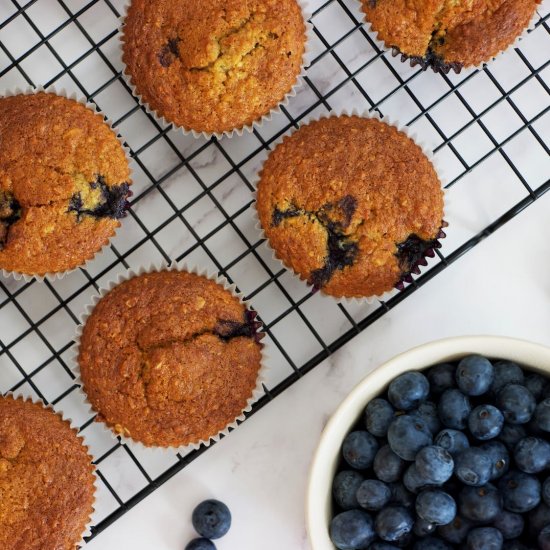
<point>215,65</point>
<point>64,183</point>
<point>169,358</point>
<point>351,205</point>
<point>46,479</point>
<point>448,34</point>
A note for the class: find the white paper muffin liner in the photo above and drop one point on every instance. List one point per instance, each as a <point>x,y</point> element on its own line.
<point>348,300</point>
<point>53,276</point>
<point>258,123</point>
<point>257,392</point>
<point>75,429</point>
<point>414,63</point>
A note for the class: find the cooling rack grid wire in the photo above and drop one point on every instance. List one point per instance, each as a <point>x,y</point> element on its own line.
<point>489,130</point>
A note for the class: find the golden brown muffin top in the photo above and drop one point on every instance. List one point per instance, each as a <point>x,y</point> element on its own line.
<point>213,65</point>
<point>169,358</point>
<point>350,204</point>
<point>46,479</point>
<point>64,181</point>
<point>448,34</point>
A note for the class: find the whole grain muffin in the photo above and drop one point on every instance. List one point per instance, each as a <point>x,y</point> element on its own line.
<point>446,34</point>
<point>46,479</point>
<point>213,65</point>
<point>169,358</point>
<point>64,181</point>
<point>351,205</point>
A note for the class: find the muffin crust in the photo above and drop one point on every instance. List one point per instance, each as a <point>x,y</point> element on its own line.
<point>213,65</point>
<point>46,479</point>
<point>351,205</point>
<point>449,34</point>
<point>169,358</point>
<point>64,181</point>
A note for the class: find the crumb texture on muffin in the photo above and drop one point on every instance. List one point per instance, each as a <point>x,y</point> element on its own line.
<point>447,33</point>
<point>350,204</point>
<point>169,358</point>
<point>46,479</point>
<point>213,65</point>
<point>64,181</point>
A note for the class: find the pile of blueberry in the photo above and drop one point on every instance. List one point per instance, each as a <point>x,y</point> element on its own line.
<point>458,457</point>
<point>211,519</point>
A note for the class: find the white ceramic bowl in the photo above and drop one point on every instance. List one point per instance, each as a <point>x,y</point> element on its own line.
<point>327,456</point>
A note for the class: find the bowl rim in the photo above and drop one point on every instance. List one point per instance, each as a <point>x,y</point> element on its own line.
<point>318,493</point>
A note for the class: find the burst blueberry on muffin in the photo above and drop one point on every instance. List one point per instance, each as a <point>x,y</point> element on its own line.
<point>216,65</point>
<point>64,183</point>
<point>46,479</point>
<point>351,205</point>
<point>170,358</point>
<point>446,34</point>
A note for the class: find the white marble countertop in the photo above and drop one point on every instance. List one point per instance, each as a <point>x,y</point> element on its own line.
<point>260,470</point>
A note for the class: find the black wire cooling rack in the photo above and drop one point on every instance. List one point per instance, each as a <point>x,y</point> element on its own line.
<point>489,130</point>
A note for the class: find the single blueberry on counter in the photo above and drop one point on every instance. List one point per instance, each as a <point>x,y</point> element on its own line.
<point>485,422</point>
<point>516,403</point>
<point>211,519</point>
<point>520,492</point>
<point>435,506</point>
<point>359,449</point>
<point>480,504</point>
<point>484,538</point>
<point>387,465</point>
<point>506,372</point>
<point>453,441</point>
<point>351,530</point>
<point>378,416</point>
<point>200,544</point>
<point>474,375</point>
<point>393,522</point>
<point>454,408</point>
<point>473,467</point>
<point>509,524</point>
<point>456,531</point>
<point>344,488</point>
<point>499,457</point>
<point>407,435</point>
<point>441,377</point>
<point>532,455</point>
<point>434,464</point>
<point>373,495</point>
<point>542,415</point>
<point>408,390</point>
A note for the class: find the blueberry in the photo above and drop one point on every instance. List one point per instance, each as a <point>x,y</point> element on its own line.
<point>344,489</point>
<point>373,495</point>
<point>474,375</point>
<point>480,504</point>
<point>413,481</point>
<point>378,416</point>
<point>532,455</point>
<point>382,546</point>
<point>542,415</point>
<point>401,496</point>
<point>387,465</point>
<point>484,538</point>
<point>393,522</point>
<point>485,422</point>
<point>544,538</point>
<point>423,528</point>
<point>200,544</point>
<point>546,491</point>
<point>511,434</point>
<point>434,464</point>
<point>428,412</point>
<point>499,457</point>
<point>359,449</point>
<point>509,524</point>
<point>536,384</point>
<point>473,467</point>
<point>454,408</point>
<point>537,519</point>
<point>452,441</point>
<point>456,531</point>
<point>516,403</point>
<point>431,543</point>
<point>352,530</point>
<point>407,435</point>
<point>441,377</point>
<point>211,519</point>
<point>506,372</point>
<point>514,545</point>
<point>408,390</point>
<point>435,506</point>
<point>520,492</point>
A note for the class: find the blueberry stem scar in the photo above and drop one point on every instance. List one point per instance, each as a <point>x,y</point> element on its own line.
<point>10,212</point>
